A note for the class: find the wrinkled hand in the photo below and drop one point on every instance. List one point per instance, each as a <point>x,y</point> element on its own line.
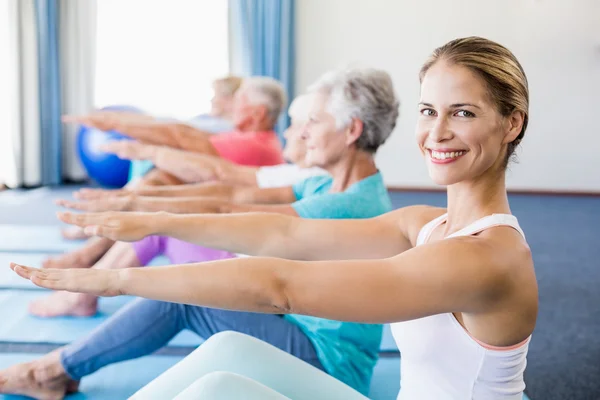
<point>94,194</point>
<point>115,203</point>
<point>81,280</point>
<point>130,150</point>
<point>123,226</point>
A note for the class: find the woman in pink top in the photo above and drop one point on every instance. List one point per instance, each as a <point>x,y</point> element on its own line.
<point>458,283</point>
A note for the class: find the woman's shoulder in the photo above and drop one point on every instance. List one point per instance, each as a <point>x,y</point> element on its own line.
<point>412,219</point>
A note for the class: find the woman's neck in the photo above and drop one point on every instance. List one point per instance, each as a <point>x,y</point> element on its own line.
<point>352,168</point>
<point>471,200</point>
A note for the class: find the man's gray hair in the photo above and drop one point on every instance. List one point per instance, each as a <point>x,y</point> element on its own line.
<point>366,94</point>
<point>263,90</point>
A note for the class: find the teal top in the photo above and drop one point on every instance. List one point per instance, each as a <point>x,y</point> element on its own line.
<point>347,350</point>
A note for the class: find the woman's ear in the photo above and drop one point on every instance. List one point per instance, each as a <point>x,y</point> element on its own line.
<point>514,125</point>
<point>354,130</point>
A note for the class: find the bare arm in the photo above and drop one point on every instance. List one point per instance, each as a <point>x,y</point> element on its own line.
<point>469,275</point>
<point>203,205</point>
<point>150,130</point>
<point>207,198</point>
<point>190,167</point>
<point>264,234</point>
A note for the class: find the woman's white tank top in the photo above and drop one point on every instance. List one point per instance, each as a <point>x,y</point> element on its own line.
<point>440,360</point>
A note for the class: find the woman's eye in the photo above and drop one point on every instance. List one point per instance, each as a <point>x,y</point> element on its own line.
<point>428,112</point>
<point>464,113</point>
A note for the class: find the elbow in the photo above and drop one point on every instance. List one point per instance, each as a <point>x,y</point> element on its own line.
<point>280,298</point>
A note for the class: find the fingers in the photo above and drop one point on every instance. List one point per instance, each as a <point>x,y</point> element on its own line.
<point>21,270</point>
<point>98,120</point>
<point>116,146</point>
<point>93,205</point>
<point>126,149</point>
<point>95,230</point>
<point>86,280</point>
<point>93,194</point>
<point>83,220</point>
<point>72,119</point>
<point>75,205</point>
<point>47,278</point>
<point>41,278</point>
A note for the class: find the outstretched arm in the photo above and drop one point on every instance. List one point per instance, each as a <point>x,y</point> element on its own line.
<point>149,130</point>
<point>461,274</point>
<point>209,198</point>
<point>264,234</point>
<point>190,167</point>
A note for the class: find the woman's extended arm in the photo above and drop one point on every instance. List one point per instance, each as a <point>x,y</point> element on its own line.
<point>466,274</point>
<point>266,234</point>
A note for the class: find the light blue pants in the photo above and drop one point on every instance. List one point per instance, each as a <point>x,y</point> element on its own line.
<point>232,365</point>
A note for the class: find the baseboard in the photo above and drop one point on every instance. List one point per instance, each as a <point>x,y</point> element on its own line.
<point>536,192</point>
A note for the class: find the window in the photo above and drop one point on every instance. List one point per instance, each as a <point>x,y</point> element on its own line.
<point>160,56</point>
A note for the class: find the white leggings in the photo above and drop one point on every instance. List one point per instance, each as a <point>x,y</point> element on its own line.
<point>231,365</point>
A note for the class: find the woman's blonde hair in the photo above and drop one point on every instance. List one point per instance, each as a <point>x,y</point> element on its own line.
<point>499,69</point>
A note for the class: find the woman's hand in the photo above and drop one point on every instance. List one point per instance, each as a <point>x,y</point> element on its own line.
<point>123,226</point>
<point>131,150</point>
<point>104,283</point>
<point>114,203</point>
<point>95,194</point>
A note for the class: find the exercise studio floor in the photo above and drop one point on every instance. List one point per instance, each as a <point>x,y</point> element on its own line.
<point>563,356</point>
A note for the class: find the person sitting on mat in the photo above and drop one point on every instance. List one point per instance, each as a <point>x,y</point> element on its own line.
<point>457,284</point>
<point>258,103</point>
<point>201,198</point>
<point>344,143</point>
<point>219,119</point>
<point>233,182</point>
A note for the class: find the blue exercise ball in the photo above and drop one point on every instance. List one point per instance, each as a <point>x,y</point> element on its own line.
<point>106,169</point>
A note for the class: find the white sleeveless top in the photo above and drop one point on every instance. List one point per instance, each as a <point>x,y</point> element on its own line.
<point>440,360</point>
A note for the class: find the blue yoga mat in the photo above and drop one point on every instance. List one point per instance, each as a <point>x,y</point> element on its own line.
<point>35,239</point>
<point>19,327</point>
<point>10,280</point>
<point>385,383</point>
<point>388,345</point>
<point>117,381</point>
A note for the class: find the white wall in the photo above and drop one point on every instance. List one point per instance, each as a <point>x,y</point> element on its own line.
<point>558,43</point>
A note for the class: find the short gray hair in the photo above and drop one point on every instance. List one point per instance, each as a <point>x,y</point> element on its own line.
<point>263,90</point>
<point>363,93</point>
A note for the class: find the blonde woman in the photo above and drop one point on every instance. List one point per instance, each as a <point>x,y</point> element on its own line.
<point>457,284</point>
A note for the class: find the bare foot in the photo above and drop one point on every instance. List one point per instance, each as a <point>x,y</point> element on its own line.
<point>43,379</point>
<point>74,259</point>
<point>73,233</point>
<point>62,304</point>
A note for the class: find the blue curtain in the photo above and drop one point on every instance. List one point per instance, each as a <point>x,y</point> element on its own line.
<point>49,90</point>
<point>264,41</point>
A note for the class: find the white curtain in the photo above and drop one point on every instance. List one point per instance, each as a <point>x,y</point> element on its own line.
<point>77,38</point>
<point>20,130</point>
<point>21,134</point>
